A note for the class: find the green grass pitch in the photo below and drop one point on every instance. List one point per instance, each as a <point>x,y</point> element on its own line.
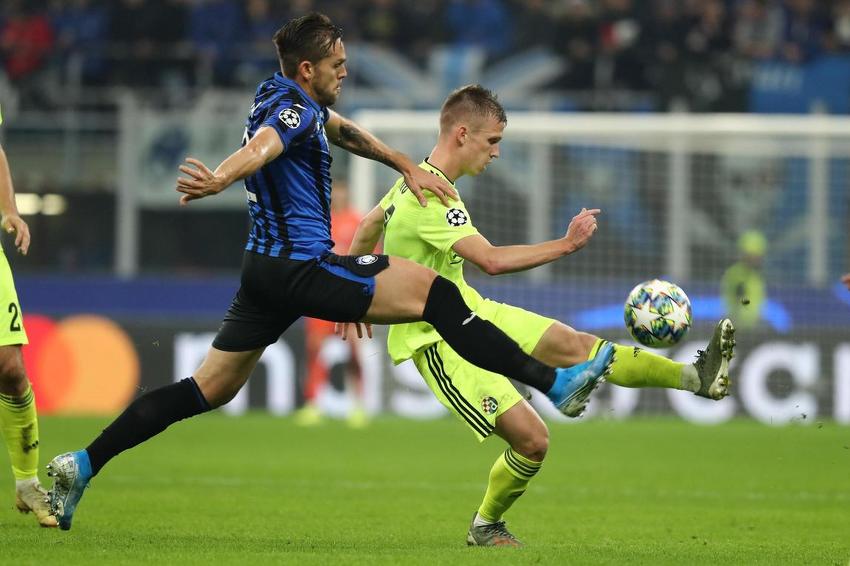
<point>259,490</point>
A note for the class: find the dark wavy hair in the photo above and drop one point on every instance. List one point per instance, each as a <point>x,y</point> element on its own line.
<point>308,38</point>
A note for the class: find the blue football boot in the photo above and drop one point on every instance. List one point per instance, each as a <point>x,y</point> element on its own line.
<point>71,473</point>
<point>573,386</point>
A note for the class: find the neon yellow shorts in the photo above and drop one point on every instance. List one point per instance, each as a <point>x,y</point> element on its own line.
<point>477,396</point>
<point>11,319</point>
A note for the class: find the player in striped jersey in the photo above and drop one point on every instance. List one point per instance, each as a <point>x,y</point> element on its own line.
<point>18,418</point>
<point>290,271</point>
<point>472,122</point>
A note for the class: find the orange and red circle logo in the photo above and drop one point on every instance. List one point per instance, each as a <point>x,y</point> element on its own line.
<point>83,364</point>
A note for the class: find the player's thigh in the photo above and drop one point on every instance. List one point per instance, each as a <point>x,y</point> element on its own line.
<point>401,291</point>
<point>222,374</point>
<point>522,428</point>
<point>524,327</point>
<point>475,396</point>
<point>371,288</point>
<point>13,380</point>
<point>257,316</point>
<point>12,330</point>
<point>334,287</point>
<point>563,346</point>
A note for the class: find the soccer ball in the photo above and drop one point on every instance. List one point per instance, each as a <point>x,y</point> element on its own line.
<point>658,313</point>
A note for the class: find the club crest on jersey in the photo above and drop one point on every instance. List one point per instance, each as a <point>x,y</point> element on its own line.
<point>290,118</point>
<point>456,217</point>
<point>366,259</point>
<point>489,405</point>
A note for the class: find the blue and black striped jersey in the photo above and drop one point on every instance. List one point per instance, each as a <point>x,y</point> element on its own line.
<point>289,197</point>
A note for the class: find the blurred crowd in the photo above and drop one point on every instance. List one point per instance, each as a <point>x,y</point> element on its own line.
<point>624,44</point>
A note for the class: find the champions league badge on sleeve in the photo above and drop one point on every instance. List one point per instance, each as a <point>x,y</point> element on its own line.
<point>456,217</point>
<point>289,118</point>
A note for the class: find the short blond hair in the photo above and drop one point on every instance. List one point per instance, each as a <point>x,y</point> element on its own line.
<point>473,101</point>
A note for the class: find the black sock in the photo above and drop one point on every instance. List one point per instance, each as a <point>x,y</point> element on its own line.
<point>146,417</point>
<point>480,342</point>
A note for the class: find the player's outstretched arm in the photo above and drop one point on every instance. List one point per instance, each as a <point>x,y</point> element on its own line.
<point>368,233</point>
<point>496,260</point>
<point>846,280</point>
<point>202,182</point>
<point>365,239</point>
<point>10,220</point>
<point>351,137</point>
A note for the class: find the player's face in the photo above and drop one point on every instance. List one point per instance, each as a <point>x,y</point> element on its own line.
<point>328,74</point>
<point>482,145</point>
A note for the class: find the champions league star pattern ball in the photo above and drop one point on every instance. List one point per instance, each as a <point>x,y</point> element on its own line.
<point>658,313</point>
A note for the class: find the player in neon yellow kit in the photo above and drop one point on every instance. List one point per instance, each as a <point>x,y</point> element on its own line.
<point>472,122</point>
<point>18,418</point>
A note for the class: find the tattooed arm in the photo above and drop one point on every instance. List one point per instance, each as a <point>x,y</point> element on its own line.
<point>351,137</point>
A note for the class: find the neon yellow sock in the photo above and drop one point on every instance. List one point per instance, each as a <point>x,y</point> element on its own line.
<point>635,367</point>
<point>19,424</point>
<point>509,477</point>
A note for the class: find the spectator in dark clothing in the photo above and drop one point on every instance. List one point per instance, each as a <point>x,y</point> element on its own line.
<point>533,23</point>
<point>620,29</point>
<point>805,31</point>
<point>256,60</point>
<point>576,39</point>
<point>479,23</point>
<point>758,29</point>
<point>708,33</point>
<point>664,39</point>
<point>81,33</point>
<point>132,29</point>
<point>215,27</point>
<point>429,30</point>
<point>663,47</point>
<point>379,24</point>
<point>26,40</point>
<point>839,31</point>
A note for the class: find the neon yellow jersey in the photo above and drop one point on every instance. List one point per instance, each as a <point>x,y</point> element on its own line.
<point>426,236</point>
<point>2,251</point>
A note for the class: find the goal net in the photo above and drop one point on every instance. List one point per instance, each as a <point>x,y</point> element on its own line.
<point>722,205</point>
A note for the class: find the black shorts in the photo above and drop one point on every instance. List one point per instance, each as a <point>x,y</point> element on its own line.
<point>275,292</point>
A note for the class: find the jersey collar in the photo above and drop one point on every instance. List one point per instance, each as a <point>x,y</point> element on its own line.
<point>435,170</point>
<point>285,81</point>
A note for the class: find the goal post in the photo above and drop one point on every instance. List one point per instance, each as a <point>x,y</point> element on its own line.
<point>691,149</point>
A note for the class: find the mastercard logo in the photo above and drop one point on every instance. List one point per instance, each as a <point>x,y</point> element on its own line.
<point>82,364</point>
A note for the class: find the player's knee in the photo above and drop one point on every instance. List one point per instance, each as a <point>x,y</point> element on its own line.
<point>587,341</point>
<point>577,344</point>
<point>534,446</point>
<point>13,378</point>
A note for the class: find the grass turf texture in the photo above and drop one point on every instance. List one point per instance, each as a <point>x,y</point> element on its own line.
<point>258,489</point>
